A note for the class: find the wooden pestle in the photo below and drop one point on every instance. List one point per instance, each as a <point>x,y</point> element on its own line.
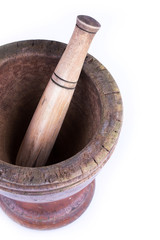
<point>53,105</point>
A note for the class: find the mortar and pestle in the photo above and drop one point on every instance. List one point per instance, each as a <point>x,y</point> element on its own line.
<point>54,136</point>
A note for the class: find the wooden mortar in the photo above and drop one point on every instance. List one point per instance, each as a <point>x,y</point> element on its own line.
<point>56,194</point>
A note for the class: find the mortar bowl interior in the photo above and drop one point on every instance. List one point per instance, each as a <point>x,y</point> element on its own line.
<point>23,79</point>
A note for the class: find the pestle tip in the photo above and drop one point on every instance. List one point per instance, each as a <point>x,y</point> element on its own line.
<point>88,23</point>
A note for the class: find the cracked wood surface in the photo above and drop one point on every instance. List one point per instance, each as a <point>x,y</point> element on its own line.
<point>99,125</point>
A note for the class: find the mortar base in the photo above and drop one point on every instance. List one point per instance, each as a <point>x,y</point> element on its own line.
<point>49,215</point>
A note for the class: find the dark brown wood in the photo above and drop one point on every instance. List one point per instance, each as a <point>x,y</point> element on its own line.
<point>88,136</point>
<point>49,215</point>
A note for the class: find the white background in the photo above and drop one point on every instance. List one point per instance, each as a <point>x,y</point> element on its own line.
<point>126,204</point>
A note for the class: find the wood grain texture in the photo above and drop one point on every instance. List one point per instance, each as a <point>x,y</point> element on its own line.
<point>54,103</point>
<point>49,215</point>
<point>86,140</point>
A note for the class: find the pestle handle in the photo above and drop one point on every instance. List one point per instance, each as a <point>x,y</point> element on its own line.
<point>53,105</point>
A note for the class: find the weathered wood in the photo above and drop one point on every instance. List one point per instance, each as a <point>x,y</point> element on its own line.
<point>53,105</point>
<point>49,215</point>
<point>86,141</point>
